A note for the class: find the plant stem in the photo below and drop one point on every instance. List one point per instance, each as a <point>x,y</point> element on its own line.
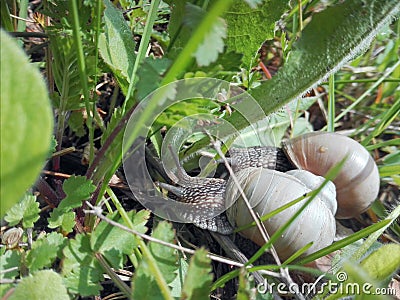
<point>331,104</point>
<point>83,74</point>
<point>142,48</point>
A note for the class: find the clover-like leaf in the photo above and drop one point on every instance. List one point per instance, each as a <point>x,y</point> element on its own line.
<point>113,242</point>
<point>82,273</point>
<point>27,210</point>
<point>45,284</point>
<point>44,251</point>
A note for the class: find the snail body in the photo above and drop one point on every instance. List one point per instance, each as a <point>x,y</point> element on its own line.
<point>268,190</point>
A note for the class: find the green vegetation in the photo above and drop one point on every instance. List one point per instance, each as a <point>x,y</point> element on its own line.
<point>70,231</point>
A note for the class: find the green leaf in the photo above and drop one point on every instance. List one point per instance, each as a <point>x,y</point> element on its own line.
<point>185,19</point>
<point>8,260</point>
<point>60,218</point>
<point>81,271</point>
<point>44,251</point>
<point>249,27</point>
<point>332,38</point>
<point>107,237</point>
<point>27,210</point>
<point>77,189</point>
<point>244,291</point>
<point>116,45</point>
<point>199,278</point>
<point>45,284</point>
<point>26,123</point>
<point>144,283</point>
<point>206,52</point>
<point>383,263</point>
<point>177,284</point>
<point>150,75</point>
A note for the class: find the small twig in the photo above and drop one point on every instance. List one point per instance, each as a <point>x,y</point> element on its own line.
<point>28,34</point>
<point>97,211</point>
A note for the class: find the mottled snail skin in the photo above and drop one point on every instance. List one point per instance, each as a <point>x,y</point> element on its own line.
<point>357,184</point>
<point>268,190</point>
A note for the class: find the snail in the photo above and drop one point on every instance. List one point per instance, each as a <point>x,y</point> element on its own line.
<point>260,174</point>
<point>268,190</point>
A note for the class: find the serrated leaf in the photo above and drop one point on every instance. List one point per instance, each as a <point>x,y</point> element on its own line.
<point>116,45</point>
<point>185,18</point>
<point>112,241</point>
<point>77,189</point>
<point>44,251</point>
<point>26,123</point>
<point>332,38</point>
<point>8,260</point>
<point>144,284</point>
<point>81,272</point>
<point>199,278</point>
<point>383,263</point>
<point>249,27</point>
<point>45,284</point>
<point>27,210</point>
<point>66,72</point>
<point>63,219</point>
<point>206,52</point>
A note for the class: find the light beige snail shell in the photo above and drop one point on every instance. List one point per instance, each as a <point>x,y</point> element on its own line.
<point>357,184</point>
<point>268,190</point>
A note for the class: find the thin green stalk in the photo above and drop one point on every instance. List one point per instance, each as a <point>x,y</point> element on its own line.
<point>375,235</point>
<point>83,74</point>
<point>331,104</point>
<point>368,92</point>
<point>155,270</point>
<point>5,17</point>
<point>114,277</point>
<point>394,142</point>
<point>23,13</point>
<point>144,42</point>
<point>363,80</point>
<point>300,15</point>
<point>387,118</point>
<point>134,259</point>
<point>344,242</point>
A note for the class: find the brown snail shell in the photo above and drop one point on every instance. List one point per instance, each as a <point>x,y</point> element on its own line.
<point>357,184</point>
<point>268,190</point>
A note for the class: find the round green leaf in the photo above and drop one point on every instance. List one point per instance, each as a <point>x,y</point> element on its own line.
<point>26,123</point>
<point>45,284</point>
